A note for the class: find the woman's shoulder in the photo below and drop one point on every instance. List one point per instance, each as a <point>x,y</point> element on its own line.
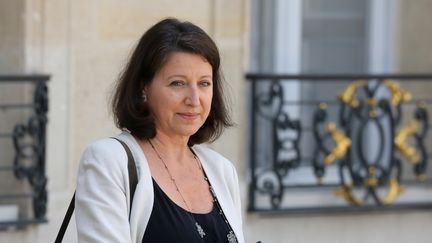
<point>105,150</point>
<point>105,146</point>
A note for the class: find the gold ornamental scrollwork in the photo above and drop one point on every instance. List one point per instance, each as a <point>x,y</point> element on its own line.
<point>398,95</point>
<point>402,145</point>
<point>345,192</point>
<point>342,143</point>
<point>347,96</point>
<point>372,103</point>
<point>367,178</point>
<point>393,191</point>
<point>372,180</point>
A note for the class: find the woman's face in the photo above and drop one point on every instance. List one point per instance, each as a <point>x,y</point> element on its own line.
<point>180,94</point>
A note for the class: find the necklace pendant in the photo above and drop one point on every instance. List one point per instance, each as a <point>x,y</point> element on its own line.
<point>231,237</point>
<point>200,230</point>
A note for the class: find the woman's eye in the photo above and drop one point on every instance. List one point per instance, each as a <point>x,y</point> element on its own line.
<point>205,83</point>
<point>176,83</point>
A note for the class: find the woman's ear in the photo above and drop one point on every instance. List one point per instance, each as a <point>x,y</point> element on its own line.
<point>145,88</point>
<point>144,96</point>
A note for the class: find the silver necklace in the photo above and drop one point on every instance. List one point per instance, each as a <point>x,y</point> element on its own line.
<point>231,237</point>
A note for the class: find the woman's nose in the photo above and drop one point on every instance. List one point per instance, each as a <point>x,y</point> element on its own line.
<point>192,97</point>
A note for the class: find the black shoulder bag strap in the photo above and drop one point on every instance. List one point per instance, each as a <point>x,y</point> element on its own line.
<point>133,181</point>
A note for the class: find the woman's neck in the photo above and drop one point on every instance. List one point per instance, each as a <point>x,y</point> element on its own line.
<point>174,149</point>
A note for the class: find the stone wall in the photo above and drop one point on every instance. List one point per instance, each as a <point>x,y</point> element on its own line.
<point>12,36</point>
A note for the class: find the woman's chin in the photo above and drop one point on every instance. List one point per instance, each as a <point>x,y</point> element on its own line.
<point>186,132</point>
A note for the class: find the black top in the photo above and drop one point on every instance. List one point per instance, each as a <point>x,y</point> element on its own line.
<point>171,223</point>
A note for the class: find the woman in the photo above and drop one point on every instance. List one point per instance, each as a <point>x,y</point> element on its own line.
<point>168,100</point>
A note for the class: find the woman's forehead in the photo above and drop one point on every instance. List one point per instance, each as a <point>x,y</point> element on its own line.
<point>185,64</point>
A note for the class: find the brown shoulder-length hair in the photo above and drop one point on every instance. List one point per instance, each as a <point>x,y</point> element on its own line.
<point>152,51</point>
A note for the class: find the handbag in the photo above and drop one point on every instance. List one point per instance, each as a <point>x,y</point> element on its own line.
<point>133,181</point>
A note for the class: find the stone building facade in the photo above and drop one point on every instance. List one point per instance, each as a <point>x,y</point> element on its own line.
<point>83,45</point>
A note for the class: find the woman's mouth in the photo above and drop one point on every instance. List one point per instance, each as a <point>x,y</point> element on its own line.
<point>188,115</point>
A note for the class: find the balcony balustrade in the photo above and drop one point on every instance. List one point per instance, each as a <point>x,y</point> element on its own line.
<point>366,146</point>
<point>23,120</point>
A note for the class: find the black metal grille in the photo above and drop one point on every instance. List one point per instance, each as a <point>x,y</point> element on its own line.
<point>23,120</point>
<point>349,152</point>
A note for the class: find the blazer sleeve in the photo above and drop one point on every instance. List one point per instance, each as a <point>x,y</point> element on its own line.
<point>102,200</point>
<point>236,193</point>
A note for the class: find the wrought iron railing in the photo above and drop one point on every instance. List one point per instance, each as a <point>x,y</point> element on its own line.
<point>348,151</point>
<point>23,119</point>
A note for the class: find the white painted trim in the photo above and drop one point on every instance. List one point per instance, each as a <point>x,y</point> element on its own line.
<point>287,51</point>
<point>393,44</point>
<point>381,30</point>
<point>288,36</point>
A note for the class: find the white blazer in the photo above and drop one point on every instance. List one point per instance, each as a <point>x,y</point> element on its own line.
<point>102,194</point>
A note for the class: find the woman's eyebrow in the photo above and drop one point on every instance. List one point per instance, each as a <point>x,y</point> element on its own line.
<point>185,76</point>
